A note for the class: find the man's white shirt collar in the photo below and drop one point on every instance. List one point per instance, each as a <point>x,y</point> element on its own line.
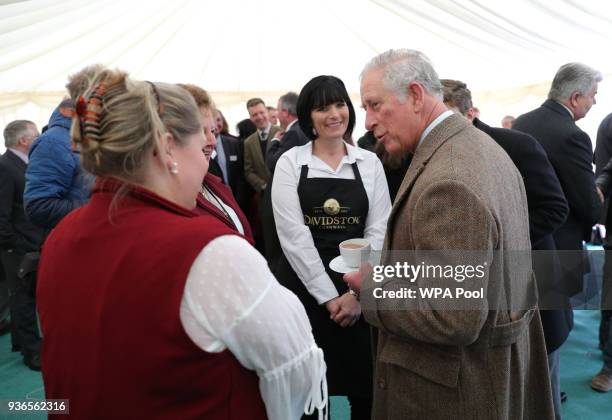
<point>433,125</point>
<point>21,155</point>
<point>265,130</point>
<point>566,108</point>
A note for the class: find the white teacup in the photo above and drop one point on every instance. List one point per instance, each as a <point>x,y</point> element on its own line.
<point>351,251</point>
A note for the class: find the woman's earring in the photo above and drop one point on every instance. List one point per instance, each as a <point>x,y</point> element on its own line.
<point>174,169</point>
<point>314,132</point>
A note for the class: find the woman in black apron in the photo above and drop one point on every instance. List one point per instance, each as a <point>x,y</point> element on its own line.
<point>334,209</point>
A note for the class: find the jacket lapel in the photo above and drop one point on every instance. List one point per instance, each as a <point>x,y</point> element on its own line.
<point>226,154</point>
<point>226,149</point>
<point>258,161</point>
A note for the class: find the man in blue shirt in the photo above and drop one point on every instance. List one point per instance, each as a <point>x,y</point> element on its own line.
<point>55,182</point>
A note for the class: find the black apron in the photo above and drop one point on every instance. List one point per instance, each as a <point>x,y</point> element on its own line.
<point>334,210</point>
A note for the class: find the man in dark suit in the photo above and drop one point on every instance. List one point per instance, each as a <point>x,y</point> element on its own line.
<point>228,161</point>
<point>548,210</point>
<point>18,238</point>
<point>290,136</point>
<point>570,151</point>
<point>603,153</point>
<point>603,169</point>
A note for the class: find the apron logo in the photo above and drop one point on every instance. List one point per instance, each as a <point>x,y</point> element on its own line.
<point>331,207</point>
<point>331,216</point>
<point>338,222</point>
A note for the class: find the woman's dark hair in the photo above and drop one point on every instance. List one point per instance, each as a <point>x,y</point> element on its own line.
<point>245,128</point>
<point>319,92</point>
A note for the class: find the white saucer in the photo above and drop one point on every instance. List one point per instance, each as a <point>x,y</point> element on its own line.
<point>338,265</point>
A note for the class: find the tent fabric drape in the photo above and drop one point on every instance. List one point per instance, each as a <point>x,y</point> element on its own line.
<point>507,52</point>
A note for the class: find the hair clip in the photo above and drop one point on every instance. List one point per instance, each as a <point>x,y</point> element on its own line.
<point>160,106</point>
<point>81,107</point>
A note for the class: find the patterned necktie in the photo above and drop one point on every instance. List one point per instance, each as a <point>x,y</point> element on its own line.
<point>263,135</point>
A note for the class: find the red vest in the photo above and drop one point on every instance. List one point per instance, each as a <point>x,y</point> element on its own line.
<point>109,292</point>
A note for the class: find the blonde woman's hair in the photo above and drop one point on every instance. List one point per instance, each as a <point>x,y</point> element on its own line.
<point>201,97</point>
<point>79,81</point>
<point>119,121</point>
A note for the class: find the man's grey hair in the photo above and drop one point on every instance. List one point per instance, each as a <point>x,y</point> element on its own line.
<point>573,77</point>
<point>16,130</point>
<point>401,67</point>
<point>79,82</point>
<point>288,102</point>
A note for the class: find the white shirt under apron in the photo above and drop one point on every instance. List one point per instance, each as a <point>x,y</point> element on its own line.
<point>295,238</point>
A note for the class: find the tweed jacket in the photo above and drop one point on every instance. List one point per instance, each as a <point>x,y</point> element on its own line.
<point>256,172</point>
<point>462,192</point>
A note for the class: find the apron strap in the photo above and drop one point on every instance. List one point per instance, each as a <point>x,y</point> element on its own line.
<point>303,173</point>
<point>356,172</point>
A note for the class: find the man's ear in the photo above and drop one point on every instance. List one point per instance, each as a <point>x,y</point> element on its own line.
<point>573,100</point>
<point>470,114</point>
<point>416,94</point>
<point>23,141</point>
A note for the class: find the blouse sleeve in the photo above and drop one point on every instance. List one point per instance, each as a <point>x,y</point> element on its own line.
<point>294,236</point>
<point>232,300</point>
<point>379,208</point>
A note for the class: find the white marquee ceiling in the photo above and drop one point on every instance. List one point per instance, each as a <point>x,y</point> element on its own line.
<point>238,48</point>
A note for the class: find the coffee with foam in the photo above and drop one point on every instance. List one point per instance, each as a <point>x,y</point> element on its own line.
<point>353,250</point>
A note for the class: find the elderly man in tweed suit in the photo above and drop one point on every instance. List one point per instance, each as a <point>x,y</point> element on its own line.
<point>461,193</point>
